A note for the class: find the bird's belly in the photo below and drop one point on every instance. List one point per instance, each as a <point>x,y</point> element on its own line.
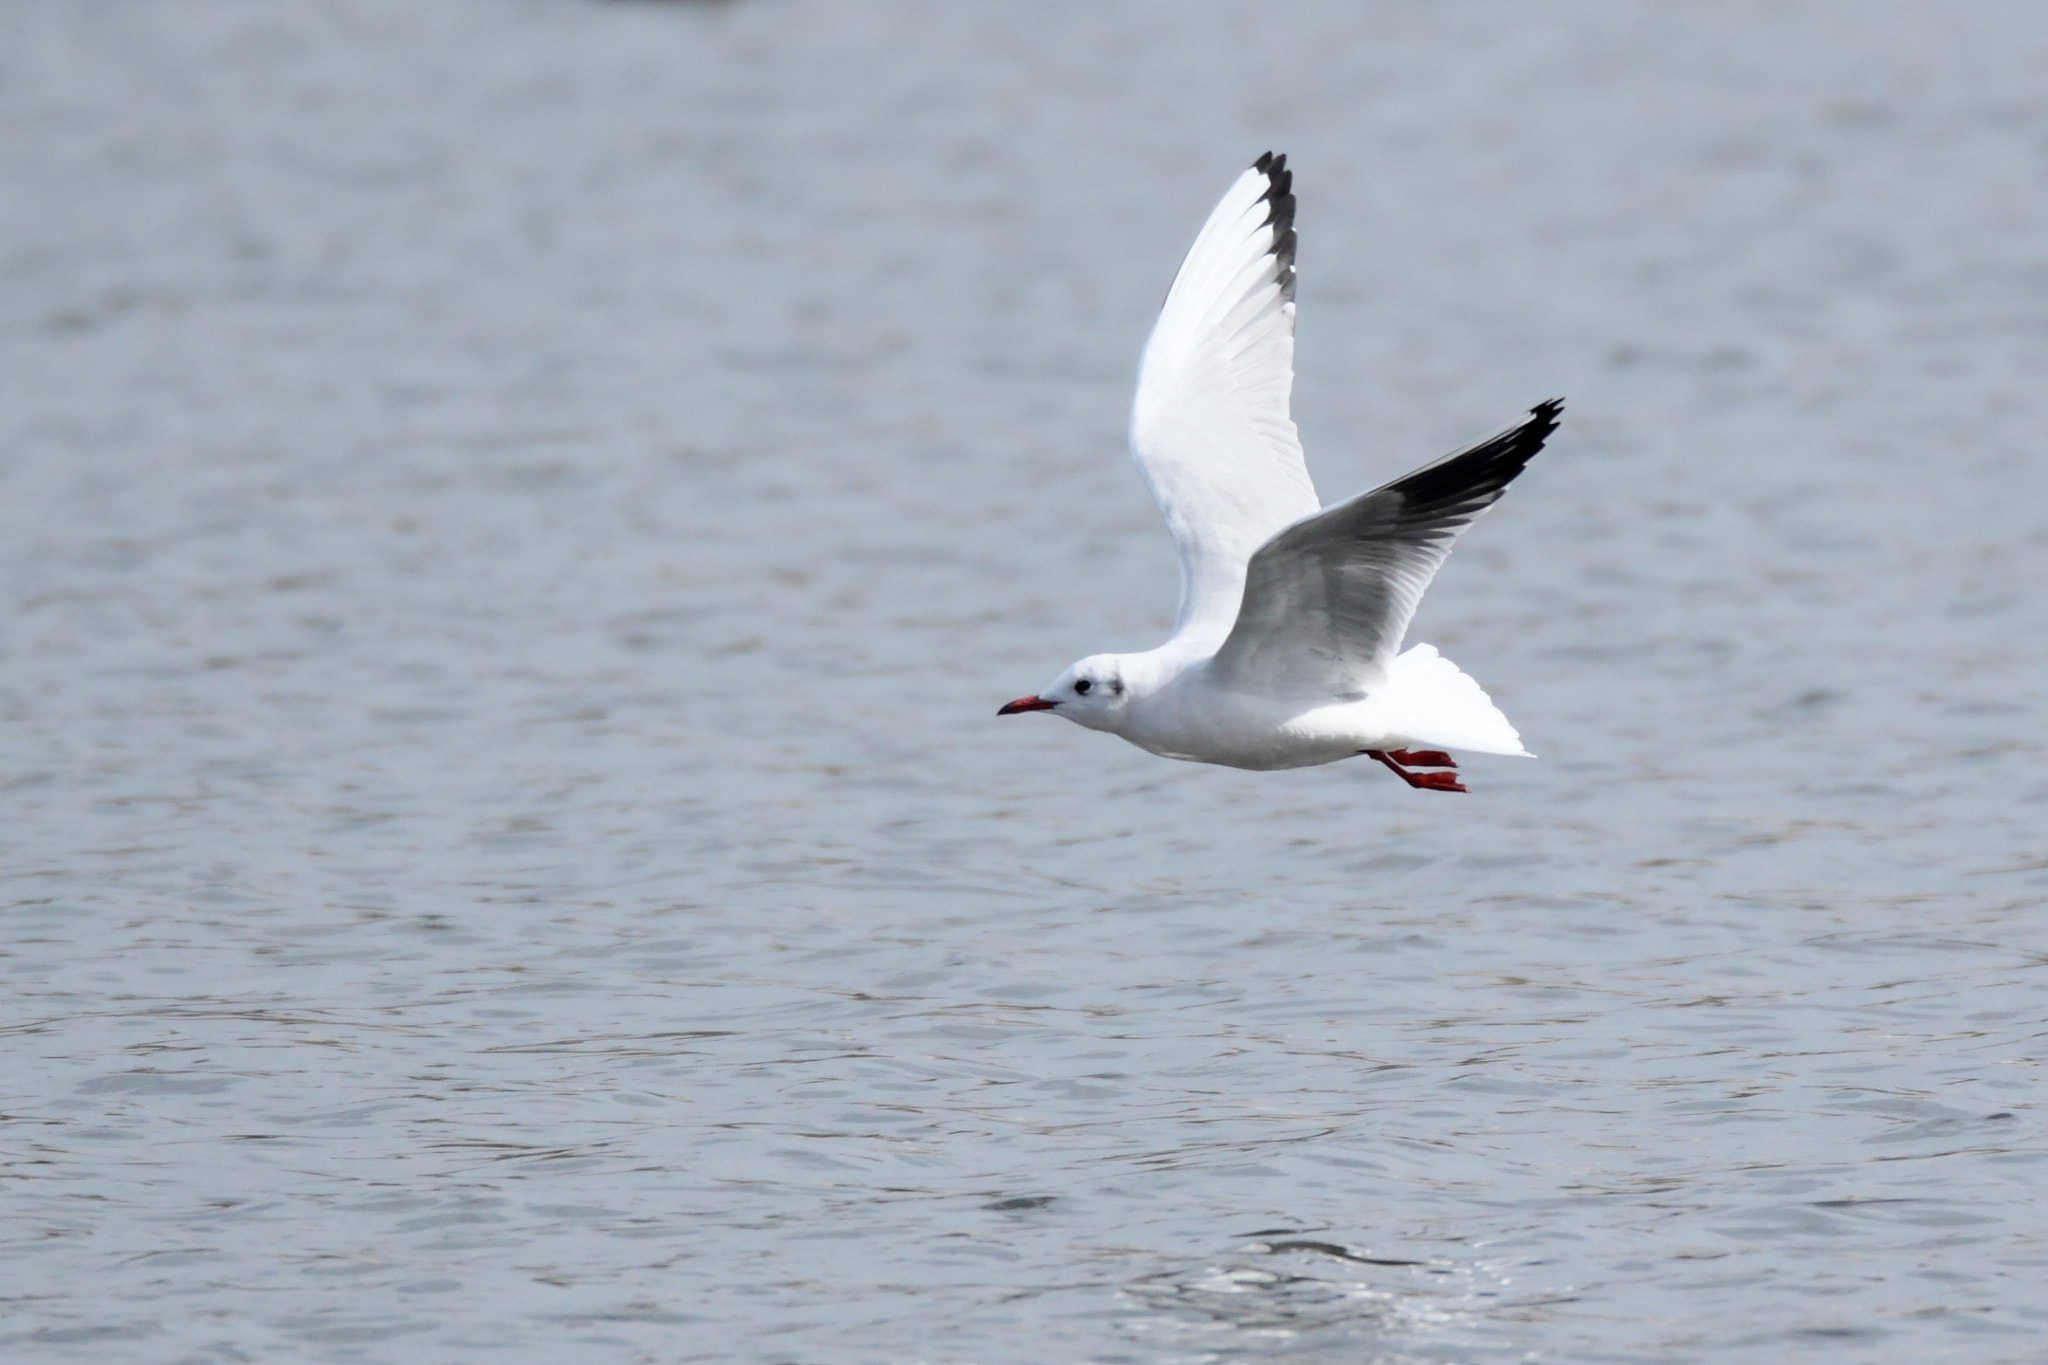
<point>1253,733</point>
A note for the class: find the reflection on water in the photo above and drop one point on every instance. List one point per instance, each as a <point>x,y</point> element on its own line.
<point>516,518</point>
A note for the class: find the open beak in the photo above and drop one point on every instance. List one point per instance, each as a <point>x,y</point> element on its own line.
<point>1033,703</point>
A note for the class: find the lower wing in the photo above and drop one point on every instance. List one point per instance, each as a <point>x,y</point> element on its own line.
<point>1328,600</point>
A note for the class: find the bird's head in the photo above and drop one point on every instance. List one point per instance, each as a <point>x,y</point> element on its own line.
<point>1092,692</point>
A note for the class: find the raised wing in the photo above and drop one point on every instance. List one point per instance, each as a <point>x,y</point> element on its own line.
<point>1327,601</point>
<point>1210,428</point>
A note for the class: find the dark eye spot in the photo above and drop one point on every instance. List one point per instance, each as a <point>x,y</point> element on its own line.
<point>1082,686</point>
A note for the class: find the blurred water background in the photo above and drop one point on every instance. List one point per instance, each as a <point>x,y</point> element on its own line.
<point>515,518</point>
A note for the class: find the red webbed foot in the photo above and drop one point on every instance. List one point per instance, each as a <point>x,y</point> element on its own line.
<point>1436,782</point>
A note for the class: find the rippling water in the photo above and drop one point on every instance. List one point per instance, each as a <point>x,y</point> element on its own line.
<point>516,517</point>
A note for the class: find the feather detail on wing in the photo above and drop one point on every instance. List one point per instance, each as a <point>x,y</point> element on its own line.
<point>1211,430</point>
<point>1327,601</point>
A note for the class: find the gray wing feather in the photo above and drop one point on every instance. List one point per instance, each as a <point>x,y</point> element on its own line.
<point>1328,600</point>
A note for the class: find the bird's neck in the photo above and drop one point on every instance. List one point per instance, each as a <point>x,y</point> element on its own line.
<point>1156,670</point>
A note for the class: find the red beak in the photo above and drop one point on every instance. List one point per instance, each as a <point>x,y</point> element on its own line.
<point>1032,703</point>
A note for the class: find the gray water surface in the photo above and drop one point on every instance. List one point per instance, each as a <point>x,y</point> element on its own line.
<point>515,519</point>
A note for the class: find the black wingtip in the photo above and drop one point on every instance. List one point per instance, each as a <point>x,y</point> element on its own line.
<point>1279,199</point>
<point>1475,477</point>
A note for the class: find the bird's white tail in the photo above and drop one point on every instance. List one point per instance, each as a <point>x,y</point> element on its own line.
<point>1437,706</point>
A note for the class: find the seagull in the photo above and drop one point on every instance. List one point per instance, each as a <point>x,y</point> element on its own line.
<point>1287,650</point>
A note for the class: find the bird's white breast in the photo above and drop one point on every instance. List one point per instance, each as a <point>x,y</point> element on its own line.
<point>1190,718</point>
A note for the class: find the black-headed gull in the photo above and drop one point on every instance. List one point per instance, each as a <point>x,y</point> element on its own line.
<point>1287,652</point>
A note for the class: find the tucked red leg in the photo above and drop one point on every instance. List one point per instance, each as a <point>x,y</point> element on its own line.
<point>1423,758</point>
<point>1436,782</point>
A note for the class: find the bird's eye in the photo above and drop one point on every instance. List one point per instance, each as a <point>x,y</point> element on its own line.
<point>1082,686</point>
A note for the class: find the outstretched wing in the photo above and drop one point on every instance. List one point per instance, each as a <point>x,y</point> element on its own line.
<point>1327,601</point>
<point>1210,429</point>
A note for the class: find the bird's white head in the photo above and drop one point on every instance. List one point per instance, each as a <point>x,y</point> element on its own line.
<point>1094,692</point>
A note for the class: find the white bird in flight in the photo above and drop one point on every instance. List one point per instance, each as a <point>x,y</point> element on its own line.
<point>1287,652</point>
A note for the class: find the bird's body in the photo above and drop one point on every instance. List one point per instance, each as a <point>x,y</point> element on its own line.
<point>1172,706</point>
<point>1287,651</point>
